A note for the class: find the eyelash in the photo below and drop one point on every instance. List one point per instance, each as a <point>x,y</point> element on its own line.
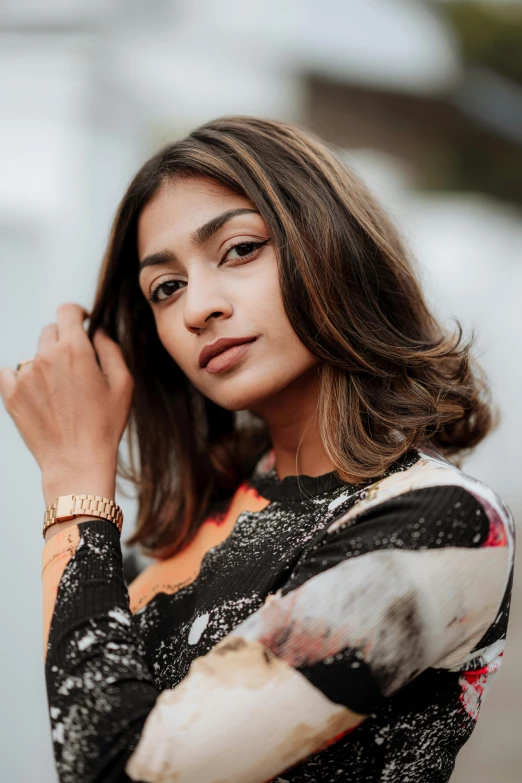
<point>153,296</point>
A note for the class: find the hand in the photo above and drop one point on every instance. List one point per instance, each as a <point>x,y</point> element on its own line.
<point>70,412</point>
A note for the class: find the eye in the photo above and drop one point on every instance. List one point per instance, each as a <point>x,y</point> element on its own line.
<point>243,250</point>
<point>164,290</point>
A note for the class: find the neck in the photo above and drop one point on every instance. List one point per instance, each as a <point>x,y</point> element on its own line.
<point>292,420</point>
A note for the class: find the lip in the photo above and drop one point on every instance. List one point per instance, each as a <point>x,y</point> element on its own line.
<point>217,347</point>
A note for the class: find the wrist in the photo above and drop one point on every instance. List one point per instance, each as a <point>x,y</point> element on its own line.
<point>81,483</point>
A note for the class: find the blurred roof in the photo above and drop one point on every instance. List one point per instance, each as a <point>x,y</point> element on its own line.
<point>212,55</point>
<point>392,43</point>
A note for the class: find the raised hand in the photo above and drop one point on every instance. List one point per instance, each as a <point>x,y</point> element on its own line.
<point>70,410</point>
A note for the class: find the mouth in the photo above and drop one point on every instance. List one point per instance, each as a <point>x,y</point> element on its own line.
<point>224,353</point>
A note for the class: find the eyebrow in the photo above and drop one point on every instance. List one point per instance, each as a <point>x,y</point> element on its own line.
<point>199,236</point>
<point>203,233</point>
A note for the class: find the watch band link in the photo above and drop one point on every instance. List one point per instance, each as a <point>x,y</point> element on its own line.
<point>69,506</point>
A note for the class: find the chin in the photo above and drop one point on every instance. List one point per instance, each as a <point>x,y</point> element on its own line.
<point>242,396</point>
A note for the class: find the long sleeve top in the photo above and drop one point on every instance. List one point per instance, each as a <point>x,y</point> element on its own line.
<point>312,631</point>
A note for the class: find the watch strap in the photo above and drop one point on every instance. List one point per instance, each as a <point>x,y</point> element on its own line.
<point>69,506</point>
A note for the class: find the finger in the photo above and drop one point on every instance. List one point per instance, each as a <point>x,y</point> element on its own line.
<point>48,338</point>
<point>7,381</point>
<point>70,318</point>
<point>111,360</point>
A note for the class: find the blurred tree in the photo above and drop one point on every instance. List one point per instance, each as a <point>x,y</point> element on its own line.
<point>490,34</point>
<point>466,138</point>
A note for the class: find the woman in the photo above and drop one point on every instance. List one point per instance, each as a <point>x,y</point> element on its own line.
<point>329,593</point>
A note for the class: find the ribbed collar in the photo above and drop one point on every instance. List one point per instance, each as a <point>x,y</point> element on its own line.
<point>266,481</point>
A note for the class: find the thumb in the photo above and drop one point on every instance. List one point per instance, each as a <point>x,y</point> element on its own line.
<point>111,360</point>
<point>7,382</point>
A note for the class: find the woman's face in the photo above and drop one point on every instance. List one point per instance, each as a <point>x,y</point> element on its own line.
<point>209,270</point>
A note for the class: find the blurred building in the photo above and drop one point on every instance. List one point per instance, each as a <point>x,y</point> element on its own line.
<point>89,90</point>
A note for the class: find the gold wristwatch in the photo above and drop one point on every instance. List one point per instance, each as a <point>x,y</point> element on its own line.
<point>69,506</point>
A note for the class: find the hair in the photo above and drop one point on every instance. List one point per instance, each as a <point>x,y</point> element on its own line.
<point>391,377</point>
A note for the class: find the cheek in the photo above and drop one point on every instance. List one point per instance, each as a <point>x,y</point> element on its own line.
<point>282,356</point>
<point>286,357</point>
<point>177,341</point>
<point>268,307</point>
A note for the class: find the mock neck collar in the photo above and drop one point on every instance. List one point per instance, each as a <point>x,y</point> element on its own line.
<point>266,481</point>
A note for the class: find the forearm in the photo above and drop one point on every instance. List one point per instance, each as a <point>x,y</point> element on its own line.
<point>100,689</point>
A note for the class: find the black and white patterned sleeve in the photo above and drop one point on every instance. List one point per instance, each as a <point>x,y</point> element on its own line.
<point>394,587</point>
<point>99,687</point>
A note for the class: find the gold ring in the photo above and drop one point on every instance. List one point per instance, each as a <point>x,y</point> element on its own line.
<point>21,364</point>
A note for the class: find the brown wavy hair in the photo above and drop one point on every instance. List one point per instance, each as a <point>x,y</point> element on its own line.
<point>392,378</point>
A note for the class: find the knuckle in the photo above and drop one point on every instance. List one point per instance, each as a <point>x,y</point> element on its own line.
<point>80,344</point>
<point>127,389</point>
<point>42,359</point>
<point>75,348</point>
<point>67,309</point>
<point>67,349</point>
<point>23,380</point>
<point>125,376</point>
<point>10,403</point>
<point>10,396</point>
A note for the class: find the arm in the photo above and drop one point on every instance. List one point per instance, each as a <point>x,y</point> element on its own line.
<point>99,687</point>
<point>346,632</point>
<point>70,405</point>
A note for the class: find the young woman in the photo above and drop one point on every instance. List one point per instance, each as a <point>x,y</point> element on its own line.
<point>329,595</point>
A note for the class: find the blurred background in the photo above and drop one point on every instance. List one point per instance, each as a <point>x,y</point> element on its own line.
<point>424,99</point>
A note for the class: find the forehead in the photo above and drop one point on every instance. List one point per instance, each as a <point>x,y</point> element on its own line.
<point>180,206</point>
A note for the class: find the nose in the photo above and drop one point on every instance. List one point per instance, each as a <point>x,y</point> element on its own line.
<point>204,301</point>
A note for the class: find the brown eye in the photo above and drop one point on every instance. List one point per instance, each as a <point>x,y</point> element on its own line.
<point>165,290</point>
<point>243,250</point>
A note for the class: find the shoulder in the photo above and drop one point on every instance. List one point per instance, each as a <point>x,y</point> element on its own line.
<point>435,503</point>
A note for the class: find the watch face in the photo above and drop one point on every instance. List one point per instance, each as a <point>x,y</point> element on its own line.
<point>68,507</point>
<point>64,508</point>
